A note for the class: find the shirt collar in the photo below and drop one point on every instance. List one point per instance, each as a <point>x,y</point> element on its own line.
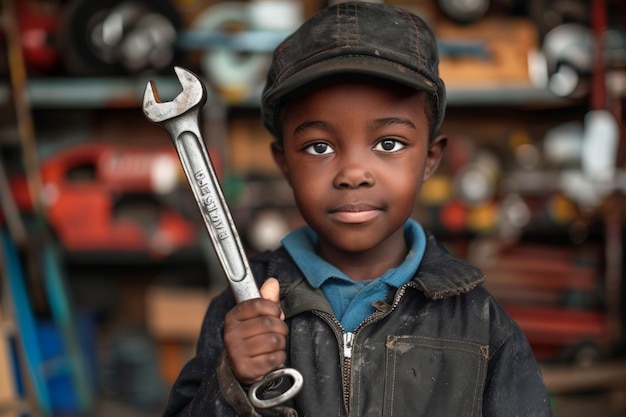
<point>301,246</point>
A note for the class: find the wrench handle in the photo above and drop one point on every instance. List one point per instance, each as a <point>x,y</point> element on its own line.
<point>215,214</point>
<point>204,184</point>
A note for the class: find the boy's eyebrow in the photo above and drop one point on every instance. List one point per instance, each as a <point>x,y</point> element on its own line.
<point>313,124</point>
<point>321,125</point>
<point>388,121</point>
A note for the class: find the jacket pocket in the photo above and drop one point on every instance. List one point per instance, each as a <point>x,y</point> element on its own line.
<point>433,376</point>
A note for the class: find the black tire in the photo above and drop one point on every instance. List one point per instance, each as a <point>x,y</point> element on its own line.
<point>585,353</point>
<point>78,53</point>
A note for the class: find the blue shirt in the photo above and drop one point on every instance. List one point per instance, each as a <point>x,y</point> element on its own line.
<point>350,300</point>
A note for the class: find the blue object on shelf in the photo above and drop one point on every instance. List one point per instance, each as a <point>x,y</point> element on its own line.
<point>65,324</point>
<point>26,324</point>
<point>64,398</point>
<point>55,358</point>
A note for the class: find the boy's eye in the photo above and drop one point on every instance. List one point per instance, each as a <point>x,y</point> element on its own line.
<point>319,148</point>
<point>389,145</point>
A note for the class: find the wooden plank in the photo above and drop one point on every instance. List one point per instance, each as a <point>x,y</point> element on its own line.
<point>9,399</point>
<point>567,379</point>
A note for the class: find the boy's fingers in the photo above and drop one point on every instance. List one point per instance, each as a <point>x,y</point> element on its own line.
<point>255,368</point>
<point>259,326</point>
<point>271,290</point>
<point>250,309</point>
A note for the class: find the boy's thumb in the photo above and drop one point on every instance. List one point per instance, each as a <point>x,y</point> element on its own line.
<point>270,290</point>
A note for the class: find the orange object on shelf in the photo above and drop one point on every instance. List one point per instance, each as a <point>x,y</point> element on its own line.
<point>111,199</point>
<point>508,43</point>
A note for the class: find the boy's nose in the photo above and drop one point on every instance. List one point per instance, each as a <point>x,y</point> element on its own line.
<point>354,173</point>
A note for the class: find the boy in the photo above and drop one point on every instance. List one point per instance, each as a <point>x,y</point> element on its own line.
<point>363,302</point>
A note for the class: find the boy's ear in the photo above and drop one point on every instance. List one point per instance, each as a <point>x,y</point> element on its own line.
<point>278,153</point>
<point>435,153</point>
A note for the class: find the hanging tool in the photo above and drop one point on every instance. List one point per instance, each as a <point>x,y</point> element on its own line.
<point>181,119</point>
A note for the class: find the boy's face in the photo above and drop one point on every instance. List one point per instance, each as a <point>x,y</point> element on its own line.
<point>355,154</point>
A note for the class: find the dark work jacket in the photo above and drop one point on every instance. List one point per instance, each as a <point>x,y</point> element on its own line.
<point>440,346</point>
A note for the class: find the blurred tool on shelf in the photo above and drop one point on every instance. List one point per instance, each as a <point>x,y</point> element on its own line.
<point>111,37</point>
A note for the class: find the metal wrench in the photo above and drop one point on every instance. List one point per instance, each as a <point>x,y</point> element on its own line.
<point>181,119</point>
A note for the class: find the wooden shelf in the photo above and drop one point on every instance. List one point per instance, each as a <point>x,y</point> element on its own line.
<point>96,92</point>
<point>127,92</point>
<point>565,379</point>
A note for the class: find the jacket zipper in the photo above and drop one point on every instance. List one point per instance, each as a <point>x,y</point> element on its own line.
<point>347,339</point>
<point>347,343</point>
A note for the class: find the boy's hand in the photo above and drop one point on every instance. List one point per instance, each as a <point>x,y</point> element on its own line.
<point>255,335</point>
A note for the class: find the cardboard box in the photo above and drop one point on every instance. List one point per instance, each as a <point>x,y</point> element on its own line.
<point>176,313</point>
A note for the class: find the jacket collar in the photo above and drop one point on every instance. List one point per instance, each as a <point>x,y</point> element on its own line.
<point>440,275</point>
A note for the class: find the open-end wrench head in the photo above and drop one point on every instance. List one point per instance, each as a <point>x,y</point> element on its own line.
<point>192,97</point>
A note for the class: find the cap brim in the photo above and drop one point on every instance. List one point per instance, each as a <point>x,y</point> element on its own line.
<point>352,65</point>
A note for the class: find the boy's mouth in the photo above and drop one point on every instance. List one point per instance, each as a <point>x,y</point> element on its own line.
<point>355,213</point>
